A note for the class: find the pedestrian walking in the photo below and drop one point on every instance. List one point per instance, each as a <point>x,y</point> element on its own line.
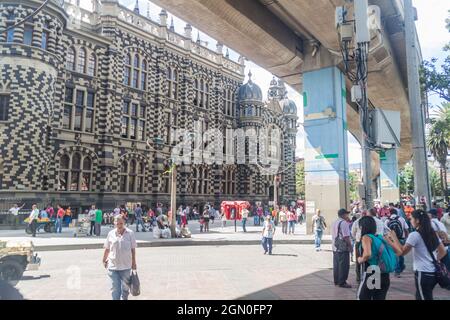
<point>318,226</point>
<point>138,213</point>
<point>50,211</point>
<point>212,214</point>
<point>374,253</point>
<point>427,249</point>
<point>119,258</point>
<point>283,221</point>
<point>32,219</point>
<point>59,219</point>
<point>292,219</point>
<point>14,211</point>
<point>244,214</point>
<point>206,220</point>
<point>91,216</point>
<point>223,217</point>
<point>397,224</point>
<point>341,249</point>
<point>98,222</point>
<point>268,232</point>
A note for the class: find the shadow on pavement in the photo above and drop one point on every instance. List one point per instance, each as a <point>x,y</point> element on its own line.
<point>26,278</point>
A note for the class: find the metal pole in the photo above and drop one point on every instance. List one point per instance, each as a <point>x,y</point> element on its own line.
<point>173,200</point>
<point>275,191</point>
<point>421,182</point>
<point>365,126</point>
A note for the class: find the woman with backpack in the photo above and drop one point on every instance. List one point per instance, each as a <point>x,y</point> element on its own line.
<point>427,250</point>
<point>376,254</point>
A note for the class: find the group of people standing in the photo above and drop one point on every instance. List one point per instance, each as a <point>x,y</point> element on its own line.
<point>62,216</point>
<point>383,242</point>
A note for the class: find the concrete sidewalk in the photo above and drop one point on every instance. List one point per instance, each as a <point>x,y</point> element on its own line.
<point>216,236</point>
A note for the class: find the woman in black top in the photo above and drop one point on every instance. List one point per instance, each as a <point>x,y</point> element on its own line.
<point>372,286</point>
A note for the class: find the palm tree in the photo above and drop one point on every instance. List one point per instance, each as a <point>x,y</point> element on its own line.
<point>438,144</point>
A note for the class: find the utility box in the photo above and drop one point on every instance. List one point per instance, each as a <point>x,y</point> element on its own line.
<point>386,128</point>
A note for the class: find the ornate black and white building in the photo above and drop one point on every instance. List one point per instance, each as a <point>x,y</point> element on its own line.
<point>82,92</point>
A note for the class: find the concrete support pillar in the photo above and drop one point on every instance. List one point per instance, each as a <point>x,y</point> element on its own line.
<point>389,176</point>
<point>326,163</point>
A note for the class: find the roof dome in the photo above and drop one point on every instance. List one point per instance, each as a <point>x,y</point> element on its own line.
<point>289,106</point>
<point>250,91</point>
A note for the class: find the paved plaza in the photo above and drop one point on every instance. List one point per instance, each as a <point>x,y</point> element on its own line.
<point>216,236</point>
<point>204,272</point>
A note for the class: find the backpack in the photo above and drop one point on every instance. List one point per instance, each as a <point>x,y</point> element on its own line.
<point>382,254</point>
<point>395,225</point>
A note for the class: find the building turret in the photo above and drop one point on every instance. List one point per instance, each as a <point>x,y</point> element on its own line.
<point>31,64</point>
<point>250,103</point>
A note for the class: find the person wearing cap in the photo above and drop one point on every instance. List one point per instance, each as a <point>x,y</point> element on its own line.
<point>342,246</point>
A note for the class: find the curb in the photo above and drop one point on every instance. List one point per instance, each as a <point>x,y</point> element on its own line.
<point>174,243</point>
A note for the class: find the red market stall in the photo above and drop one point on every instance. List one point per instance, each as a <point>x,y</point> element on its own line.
<point>233,209</point>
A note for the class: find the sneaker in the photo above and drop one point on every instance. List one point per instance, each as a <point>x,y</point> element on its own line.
<point>345,285</point>
<point>265,252</point>
<point>317,249</point>
<point>270,253</point>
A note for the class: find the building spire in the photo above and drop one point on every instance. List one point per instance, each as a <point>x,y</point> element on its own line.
<point>136,7</point>
<point>172,26</point>
<point>198,37</point>
<point>250,76</point>
<point>227,55</point>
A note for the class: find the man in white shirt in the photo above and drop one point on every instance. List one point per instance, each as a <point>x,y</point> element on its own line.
<point>435,223</point>
<point>380,224</point>
<point>14,211</point>
<point>32,219</point>
<point>244,214</point>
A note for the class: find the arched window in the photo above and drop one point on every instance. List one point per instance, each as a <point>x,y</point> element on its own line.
<point>172,83</point>
<point>136,70</point>
<point>127,70</point>
<point>92,65</point>
<point>70,64</point>
<point>81,61</point>
<point>132,176</point>
<point>201,89</point>
<point>196,93</point>
<point>144,75</point>
<point>75,172</point>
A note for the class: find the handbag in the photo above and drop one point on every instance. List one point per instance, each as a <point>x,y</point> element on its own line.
<point>135,285</point>
<point>340,244</point>
<point>442,274</point>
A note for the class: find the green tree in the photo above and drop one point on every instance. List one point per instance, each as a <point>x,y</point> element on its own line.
<point>435,182</point>
<point>300,179</point>
<point>406,179</point>
<point>353,185</point>
<point>438,143</point>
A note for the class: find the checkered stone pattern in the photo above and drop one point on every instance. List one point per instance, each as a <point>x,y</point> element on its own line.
<point>33,140</point>
<point>24,152</point>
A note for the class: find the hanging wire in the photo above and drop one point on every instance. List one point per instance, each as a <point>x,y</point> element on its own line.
<point>28,17</point>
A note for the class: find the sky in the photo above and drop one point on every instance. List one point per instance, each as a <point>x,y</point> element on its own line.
<point>430,26</point>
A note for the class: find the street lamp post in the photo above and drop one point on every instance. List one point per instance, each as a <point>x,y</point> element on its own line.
<point>173,189</point>
<point>173,199</point>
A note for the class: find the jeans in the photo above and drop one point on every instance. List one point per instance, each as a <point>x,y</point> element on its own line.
<point>120,280</point>
<point>255,220</point>
<point>33,227</point>
<point>341,267</point>
<point>425,283</point>
<point>244,221</point>
<point>267,244</point>
<point>318,238</point>
<point>400,266</point>
<point>92,228</point>
<point>284,226</point>
<point>58,225</point>
<point>140,222</point>
<point>291,226</point>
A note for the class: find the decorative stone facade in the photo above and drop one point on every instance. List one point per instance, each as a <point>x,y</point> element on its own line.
<point>82,93</point>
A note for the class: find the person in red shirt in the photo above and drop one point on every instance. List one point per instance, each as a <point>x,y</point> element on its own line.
<point>59,218</point>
